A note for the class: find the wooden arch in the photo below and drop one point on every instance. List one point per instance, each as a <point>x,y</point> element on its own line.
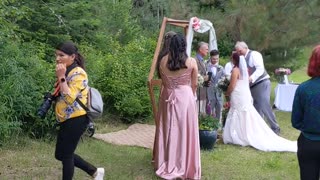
<point>152,82</point>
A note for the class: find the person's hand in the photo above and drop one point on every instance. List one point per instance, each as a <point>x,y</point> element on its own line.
<point>60,70</point>
<point>226,105</point>
<point>250,79</point>
<point>206,78</point>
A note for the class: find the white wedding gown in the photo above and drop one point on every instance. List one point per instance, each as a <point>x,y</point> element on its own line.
<point>244,125</point>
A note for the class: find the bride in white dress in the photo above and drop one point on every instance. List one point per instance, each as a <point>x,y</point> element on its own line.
<point>244,126</point>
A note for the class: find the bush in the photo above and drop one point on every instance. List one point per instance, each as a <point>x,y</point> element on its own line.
<point>294,59</point>
<point>24,77</point>
<point>125,80</point>
<point>208,122</point>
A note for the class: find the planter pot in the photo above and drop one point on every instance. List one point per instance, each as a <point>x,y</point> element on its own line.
<point>207,139</point>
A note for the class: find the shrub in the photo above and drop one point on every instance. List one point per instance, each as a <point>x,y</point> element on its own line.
<point>208,122</point>
<point>24,76</point>
<point>125,80</point>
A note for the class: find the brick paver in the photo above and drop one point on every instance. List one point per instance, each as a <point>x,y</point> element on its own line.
<point>136,135</point>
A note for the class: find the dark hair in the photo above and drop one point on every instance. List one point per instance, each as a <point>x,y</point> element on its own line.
<point>177,53</point>
<point>236,59</point>
<point>70,48</point>
<point>214,52</point>
<point>314,62</point>
<point>165,48</point>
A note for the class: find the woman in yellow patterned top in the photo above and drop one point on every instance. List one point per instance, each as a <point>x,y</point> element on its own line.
<point>72,84</point>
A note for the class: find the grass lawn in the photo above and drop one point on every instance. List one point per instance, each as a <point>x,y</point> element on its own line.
<point>30,159</point>
<point>34,159</point>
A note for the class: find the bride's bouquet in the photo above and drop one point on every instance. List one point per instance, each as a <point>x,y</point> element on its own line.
<point>223,83</point>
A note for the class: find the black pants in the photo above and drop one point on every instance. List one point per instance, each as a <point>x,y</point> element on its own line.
<point>309,158</point>
<point>67,141</point>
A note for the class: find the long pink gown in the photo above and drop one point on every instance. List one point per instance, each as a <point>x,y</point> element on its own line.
<point>177,151</point>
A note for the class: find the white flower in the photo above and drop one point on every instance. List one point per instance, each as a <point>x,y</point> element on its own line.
<point>223,83</point>
<point>200,80</point>
<point>228,77</point>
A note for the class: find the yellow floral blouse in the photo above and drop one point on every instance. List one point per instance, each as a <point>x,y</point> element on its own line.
<point>66,104</point>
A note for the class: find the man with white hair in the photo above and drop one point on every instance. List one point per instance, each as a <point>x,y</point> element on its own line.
<point>202,52</point>
<point>260,85</point>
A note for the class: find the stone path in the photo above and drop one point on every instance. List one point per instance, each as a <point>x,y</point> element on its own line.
<point>136,135</point>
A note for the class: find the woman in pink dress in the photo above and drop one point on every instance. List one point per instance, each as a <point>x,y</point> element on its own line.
<point>177,151</point>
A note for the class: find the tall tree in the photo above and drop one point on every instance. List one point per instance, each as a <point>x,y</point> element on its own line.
<point>277,28</point>
<point>149,13</point>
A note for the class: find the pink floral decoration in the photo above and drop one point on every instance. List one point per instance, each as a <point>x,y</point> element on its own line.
<point>196,23</point>
<point>282,71</point>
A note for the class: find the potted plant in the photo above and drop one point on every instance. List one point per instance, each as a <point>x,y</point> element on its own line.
<point>208,126</point>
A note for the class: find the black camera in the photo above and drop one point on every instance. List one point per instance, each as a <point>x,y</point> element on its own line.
<point>90,129</point>
<point>45,106</point>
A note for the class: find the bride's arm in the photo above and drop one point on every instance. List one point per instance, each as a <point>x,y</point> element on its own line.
<point>233,80</point>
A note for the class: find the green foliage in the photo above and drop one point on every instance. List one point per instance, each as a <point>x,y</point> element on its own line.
<point>118,40</point>
<point>279,36</point>
<point>149,14</point>
<point>102,29</point>
<point>40,21</point>
<point>51,21</point>
<point>208,122</point>
<point>225,46</point>
<point>301,60</point>
<point>24,77</point>
<point>9,130</point>
<point>126,77</point>
<point>128,162</point>
<point>118,20</point>
<point>266,26</point>
<point>121,76</point>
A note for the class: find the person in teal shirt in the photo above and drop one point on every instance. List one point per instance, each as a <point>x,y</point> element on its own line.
<point>306,118</point>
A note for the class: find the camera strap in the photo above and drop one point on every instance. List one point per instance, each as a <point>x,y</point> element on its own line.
<point>81,104</point>
<point>56,89</point>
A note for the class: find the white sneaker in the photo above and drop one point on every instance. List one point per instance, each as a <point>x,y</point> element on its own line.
<point>100,174</point>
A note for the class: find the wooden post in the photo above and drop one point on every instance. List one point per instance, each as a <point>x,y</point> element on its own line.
<point>157,82</point>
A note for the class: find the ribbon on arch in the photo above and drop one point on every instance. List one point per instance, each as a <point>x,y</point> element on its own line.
<point>201,26</point>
